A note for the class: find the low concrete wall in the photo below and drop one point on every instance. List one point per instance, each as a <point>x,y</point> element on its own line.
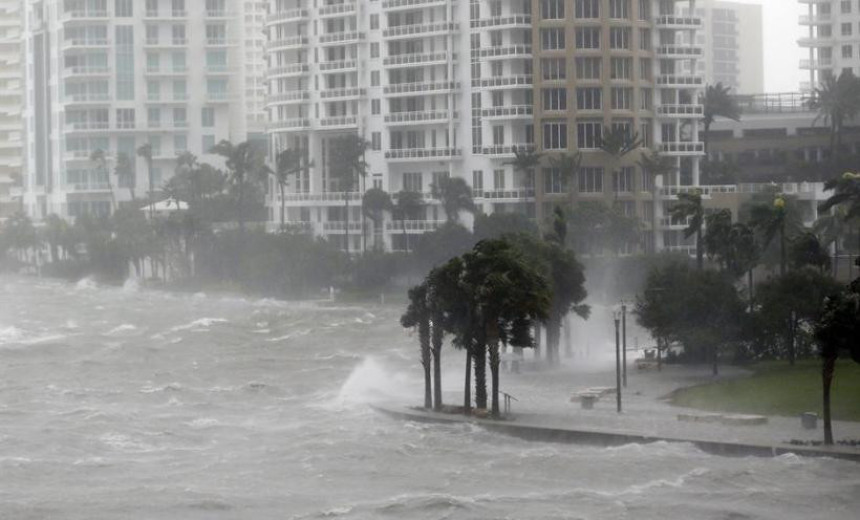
<point>533,432</point>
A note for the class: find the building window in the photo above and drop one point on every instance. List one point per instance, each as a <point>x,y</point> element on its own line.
<point>374,50</point>
<point>588,38</point>
<point>588,135</point>
<point>374,78</point>
<point>124,8</point>
<point>646,99</point>
<point>413,181</point>
<point>498,135</point>
<point>180,117</point>
<point>644,9</point>
<point>552,39</point>
<point>845,6</point>
<point>552,9</point>
<point>555,136</point>
<point>589,98</point>
<point>125,118</point>
<point>645,39</point>
<point>622,98</point>
<point>587,8</point>
<point>180,143</point>
<point>847,51</point>
<point>590,180</point>
<point>374,22</point>
<point>477,180</point>
<point>555,99</point>
<point>375,106</point>
<point>552,69</point>
<point>846,29</point>
<point>207,117</point>
<point>153,117</point>
<point>553,180</point>
<point>623,181</point>
<point>619,38</point>
<point>499,180</point>
<point>376,141</point>
<point>588,68</point>
<point>645,69</point>
<point>619,9</point>
<point>620,68</point>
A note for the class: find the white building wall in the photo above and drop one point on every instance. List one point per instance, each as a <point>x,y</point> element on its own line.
<point>11,102</point>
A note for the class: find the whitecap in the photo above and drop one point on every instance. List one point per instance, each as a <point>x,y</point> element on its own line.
<point>10,334</point>
<point>198,325</point>
<point>86,284</point>
<point>119,329</point>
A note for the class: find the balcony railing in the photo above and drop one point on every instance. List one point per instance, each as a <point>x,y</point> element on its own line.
<point>673,80</point>
<point>83,14</point>
<point>328,66</point>
<point>337,9</point>
<point>297,123</point>
<point>678,22</point>
<point>685,111</point>
<point>426,86</point>
<point>520,50</point>
<point>392,5</point>
<point>514,195</point>
<point>422,153</point>
<point>517,80</point>
<point>289,70</point>
<point>290,97</point>
<point>283,43</point>
<point>340,225</point>
<point>507,149</point>
<point>86,70</point>
<point>87,125</point>
<point>413,225</point>
<point>334,196</point>
<point>426,116</point>
<point>517,20</point>
<point>419,28</point>
<point>425,58</point>
<point>291,15</point>
<point>73,43</point>
<point>341,37</point>
<point>88,98</point>
<point>819,63</point>
<point>683,148</point>
<point>338,121</point>
<point>88,186</point>
<point>679,51</point>
<point>347,92</point>
<point>508,111</point>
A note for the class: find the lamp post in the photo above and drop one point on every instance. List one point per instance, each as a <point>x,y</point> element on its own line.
<point>617,317</point>
<point>624,343</point>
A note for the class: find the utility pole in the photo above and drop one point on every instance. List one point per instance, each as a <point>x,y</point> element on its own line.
<point>617,317</point>
<point>624,343</point>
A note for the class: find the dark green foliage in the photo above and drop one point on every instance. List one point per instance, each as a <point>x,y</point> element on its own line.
<point>437,247</point>
<point>496,225</point>
<point>594,227</point>
<point>807,250</point>
<point>455,196</point>
<point>689,208</point>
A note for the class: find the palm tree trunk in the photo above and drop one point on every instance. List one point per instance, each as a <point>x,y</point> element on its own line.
<point>536,326</point>
<point>493,349</point>
<point>436,341</point>
<point>467,388</point>
<point>568,347</point>
<point>480,354</point>
<point>827,370</point>
<point>700,262</point>
<point>346,226</point>
<point>405,236</point>
<point>424,339</point>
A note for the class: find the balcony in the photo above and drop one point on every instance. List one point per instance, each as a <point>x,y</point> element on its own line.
<point>419,29</point>
<point>678,22</point>
<point>419,118</point>
<point>338,66</point>
<point>680,81</point>
<point>816,19</point>
<point>400,5</point>
<point>420,226</point>
<point>341,38</point>
<point>218,97</point>
<point>290,16</point>
<point>335,198</point>
<point>289,98</point>
<point>221,42</point>
<point>679,51</point>
<point>683,148</point>
<point>820,63</point>
<point>505,52</point>
<point>290,125</point>
<point>166,71</point>
<point>329,11</point>
<point>342,93</point>
<point>682,111</point>
<point>411,154</point>
<point>85,43</point>
<point>84,15</point>
<point>507,150</point>
<point>502,22</point>
<point>88,187</point>
<point>411,89</point>
<point>90,98</point>
<point>338,122</point>
<point>340,226</point>
<point>88,126</point>
<point>417,59</point>
<point>816,41</point>
<point>294,69</point>
<point>508,112</point>
<point>83,71</point>
<point>293,42</point>
<point>219,70</point>
<point>221,13</point>
<point>517,195</point>
<point>504,82</point>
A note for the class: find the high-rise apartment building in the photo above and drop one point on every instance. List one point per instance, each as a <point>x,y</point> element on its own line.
<point>113,75</point>
<point>441,88</point>
<point>833,29</point>
<point>733,45</point>
<point>11,104</point>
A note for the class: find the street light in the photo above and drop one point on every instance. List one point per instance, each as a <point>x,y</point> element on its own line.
<point>617,316</point>
<point>624,343</point>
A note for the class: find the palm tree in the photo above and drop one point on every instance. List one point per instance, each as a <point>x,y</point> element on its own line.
<point>771,221</point>
<point>655,165</point>
<point>100,159</point>
<point>245,163</point>
<point>418,315</point>
<point>836,100</point>
<point>526,162</point>
<point>717,102</point>
<point>125,170</point>
<point>347,162</point>
<point>689,207</point>
<point>455,195</point>
<point>289,162</point>
<point>718,230</point>
<point>832,229</point>
<point>743,255</point>
<point>407,203</point>
<point>568,164</point>
<point>508,295</point>
<point>617,142</point>
<point>846,193</point>
<point>145,151</point>
<point>374,203</point>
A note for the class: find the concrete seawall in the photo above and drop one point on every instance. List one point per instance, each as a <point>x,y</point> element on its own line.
<point>524,429</point>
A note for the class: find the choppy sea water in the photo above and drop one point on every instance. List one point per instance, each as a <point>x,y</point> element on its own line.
<point>124,403</point>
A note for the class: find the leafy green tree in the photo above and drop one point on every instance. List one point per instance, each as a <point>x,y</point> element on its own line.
<point>808,250</point>
<point>20,234</point>
<point>833,229</point>
<point>846,193</point>
<point>836,331</point>
<point>374,203</point>
<point>689,208</point>
<point>718,236</point>
<point>495,225</point>
<point>569,165</point>
<point>508,295</point>
<point>348,166</point>
<point>455,195</point>
<point>407,204</point>
<point>836,100</point>
<point>436,247</point>
<point>717,102</point>
<point>246,168</point>
<point>290,162</point>
<point>417,315</point>
<point>773,221</point>
<point>743,254</point>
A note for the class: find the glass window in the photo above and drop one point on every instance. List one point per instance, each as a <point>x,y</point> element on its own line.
<point>555,136</point>
<point>588,135</point>
<point>590,180</point>
<point>207,117</point>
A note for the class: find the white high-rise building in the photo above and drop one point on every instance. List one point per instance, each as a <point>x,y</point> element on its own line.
<point>113,75</point>
<point>11,104</point>
<point>443,88</point>
<point>833,29</point>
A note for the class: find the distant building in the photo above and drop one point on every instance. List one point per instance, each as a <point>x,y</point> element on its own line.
<point>732,37</point>
<point>833,33</point>
<point>114,75</point>
<point>11,105</point>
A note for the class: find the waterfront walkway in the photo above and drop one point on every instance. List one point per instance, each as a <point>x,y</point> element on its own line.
<point>544,412</point>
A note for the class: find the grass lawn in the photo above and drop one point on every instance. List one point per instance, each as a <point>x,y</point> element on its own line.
<point>775,388</point>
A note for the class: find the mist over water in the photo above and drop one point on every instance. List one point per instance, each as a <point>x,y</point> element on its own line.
<point>129,403</point>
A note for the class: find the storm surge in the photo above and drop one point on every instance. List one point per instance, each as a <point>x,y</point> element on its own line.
<point>143,404</point>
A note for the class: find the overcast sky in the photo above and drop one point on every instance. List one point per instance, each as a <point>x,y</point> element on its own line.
<point>781,53</point>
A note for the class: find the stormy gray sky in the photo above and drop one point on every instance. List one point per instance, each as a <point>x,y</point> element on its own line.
<point>781,52</point>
